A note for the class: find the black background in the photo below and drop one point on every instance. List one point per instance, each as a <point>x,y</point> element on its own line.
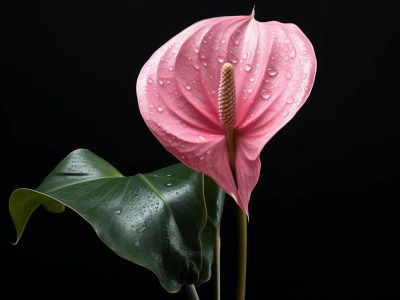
<point>323,215</point>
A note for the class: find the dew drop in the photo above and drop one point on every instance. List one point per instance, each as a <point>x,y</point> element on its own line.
<point>247,68</point>
<point>265,94</point>
<point>202,138</point>
<point>285,113</point>
<point>202,55</point>
<point>160,81</point>
<point>220,59</point>
<point>252,79</point>
<point>223,41</point>
<point>233,60</point>
<point>236,42</point>
<point>201,157</point>
<point>204,62</point>
<point>168,184</point>
<point>272,72</point>
<point>196,49</point>
<point>292,53</point>
<point>118,212</point>
<point>245,55</point>
<point>250,90</point>
<point>159,109</point>
<point>150,80</point>
<point>188,87</point>
<point>171,68</point>
<point>289,100</point>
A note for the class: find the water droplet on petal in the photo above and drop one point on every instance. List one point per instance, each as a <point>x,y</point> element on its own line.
<point>196,49</point>
<point>188,87</point>
<point>236,42</point>
<point>223,41</point>
<point>285,113</point>
<point>288,75</point>
<point>160,81</point>
<point>233,60</point>
<point>252,79</point>
<point>272,72</point>
<point>265,94</point>
<point>159,109</point>
<point>202,138</point>
<point>292,53</point>
<point>202,55</point>
<point>220,59</point>
<point>247,68</point>
<point>245,55</point>
<point>150,80</point>
<point>289,100</point>
<point>171,68</point>
<point>204,62</point>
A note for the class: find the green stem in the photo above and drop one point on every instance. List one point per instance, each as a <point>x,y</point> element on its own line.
<point>191,292</point>
<point>217,265</point>
<point>242,255</point>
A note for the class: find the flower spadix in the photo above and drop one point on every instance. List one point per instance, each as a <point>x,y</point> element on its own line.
<point>218,91</point>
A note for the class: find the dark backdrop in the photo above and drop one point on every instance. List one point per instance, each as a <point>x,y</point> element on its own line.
<point>323,214</point>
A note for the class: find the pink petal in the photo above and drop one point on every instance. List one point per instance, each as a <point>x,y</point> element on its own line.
<point>282,84</point>
<point>274,67</point>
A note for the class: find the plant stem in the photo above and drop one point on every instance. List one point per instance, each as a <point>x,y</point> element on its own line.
<point>242,255</point>
<point>191,291</point>
<point>217,265</point>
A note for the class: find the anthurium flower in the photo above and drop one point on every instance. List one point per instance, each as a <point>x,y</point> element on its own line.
<point>265,69</point>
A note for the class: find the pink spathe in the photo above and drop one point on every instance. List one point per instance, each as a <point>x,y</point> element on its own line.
<point>274,69</point>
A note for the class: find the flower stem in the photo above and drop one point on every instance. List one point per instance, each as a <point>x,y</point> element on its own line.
<point>217,265</point>
<point>242,255</point>
<point>191,292</point>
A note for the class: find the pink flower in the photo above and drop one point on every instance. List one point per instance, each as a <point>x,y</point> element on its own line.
<point>274,67</point>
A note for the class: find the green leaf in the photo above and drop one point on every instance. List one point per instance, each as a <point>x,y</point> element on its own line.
<point>155,220</point>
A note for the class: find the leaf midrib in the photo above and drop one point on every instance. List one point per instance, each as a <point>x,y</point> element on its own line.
<point>153,188</point>
<point>79,182</point>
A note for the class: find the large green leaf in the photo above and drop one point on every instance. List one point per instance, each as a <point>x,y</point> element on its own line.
<point>156,220</point>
